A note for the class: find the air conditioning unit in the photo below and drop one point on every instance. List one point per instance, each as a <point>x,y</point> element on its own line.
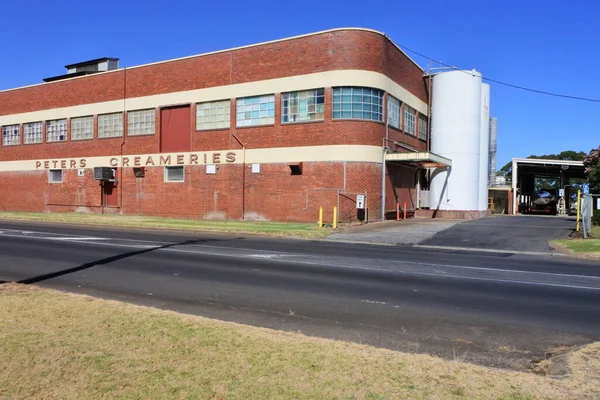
<point>103,174</point>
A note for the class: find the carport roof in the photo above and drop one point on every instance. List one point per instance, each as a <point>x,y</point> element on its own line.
<point>538,166</point>
<point>424,159</point>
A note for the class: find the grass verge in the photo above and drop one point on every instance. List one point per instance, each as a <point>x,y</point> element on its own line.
<point>227,226</point>
<point>62,346</point>
<point>585,247</point>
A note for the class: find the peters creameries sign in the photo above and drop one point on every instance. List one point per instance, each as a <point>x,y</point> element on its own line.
<point>151,160</point>
<point>327,153</point>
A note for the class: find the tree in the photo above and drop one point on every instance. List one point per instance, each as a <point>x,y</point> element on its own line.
<point>591,163</point>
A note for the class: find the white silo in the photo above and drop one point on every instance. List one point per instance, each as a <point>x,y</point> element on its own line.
<point>484,147</point>
<point>455,134</point>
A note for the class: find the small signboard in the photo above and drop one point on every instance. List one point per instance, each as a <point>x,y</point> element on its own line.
<point>561,192</point>
<point>360,201</point>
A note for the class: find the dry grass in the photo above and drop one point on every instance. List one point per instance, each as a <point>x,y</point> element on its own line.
<point>587,248</point>
<point>62,346</point>
<point>228,226</point>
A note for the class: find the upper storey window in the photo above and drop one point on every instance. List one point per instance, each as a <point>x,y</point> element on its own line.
<point>213,115</point>
<point>409,119</point>
<point>308,105</point>
<point>82,128</point>
<point>358,103</point>
<point>141,122</point>
<point>110,125</point>
<point>32,132</point>
<point>422,127</point>
<point>255,110</point>
<point>393,113</point>
<point>56,130</point>
<point>11,135</point>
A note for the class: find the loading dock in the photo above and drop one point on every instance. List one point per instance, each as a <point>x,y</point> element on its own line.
<point>525,171</point>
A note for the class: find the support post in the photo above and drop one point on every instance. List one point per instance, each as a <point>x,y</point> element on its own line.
<point>334,217</point>
<point>397,211</point>
<point>578,209</point>
<point>405,210</point>
<point>321,217</point>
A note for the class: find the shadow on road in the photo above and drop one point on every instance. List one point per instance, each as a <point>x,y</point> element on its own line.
<point>104,261</point>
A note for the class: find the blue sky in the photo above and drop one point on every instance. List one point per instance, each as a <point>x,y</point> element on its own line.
<point>547,45</point>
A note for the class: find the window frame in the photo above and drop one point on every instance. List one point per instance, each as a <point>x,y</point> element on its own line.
<point>50,171</point>
<point>74,119</point>
<point>318,93</point>
<point>134,114</point>
<point>394,102</point>
<point>5,128</point>
<point>214,102</point>
<point>66,131</point>
<point>422,118</point>
<point>101,116</point>
<point>173,167</point>
<point>407,126</point>
<point>26,134</point>
<point>356,106</point>
<point>250,107</point>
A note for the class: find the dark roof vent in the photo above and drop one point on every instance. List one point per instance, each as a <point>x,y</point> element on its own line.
<point>86,68</point>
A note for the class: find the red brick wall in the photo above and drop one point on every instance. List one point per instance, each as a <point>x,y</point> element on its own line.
<point>273,194</point>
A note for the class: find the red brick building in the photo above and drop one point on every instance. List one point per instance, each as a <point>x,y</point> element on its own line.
<point>270,131</point>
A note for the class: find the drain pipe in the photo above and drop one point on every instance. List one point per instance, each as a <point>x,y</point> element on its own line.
<point>243,174</point>
<point>384,145</point>
<point>383,183</point>
<point>123,142</point>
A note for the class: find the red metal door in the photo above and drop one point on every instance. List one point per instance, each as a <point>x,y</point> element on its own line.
<point>175,125</point>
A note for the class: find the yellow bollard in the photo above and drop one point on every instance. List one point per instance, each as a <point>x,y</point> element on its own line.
<point>320,217</point>
<point>334,217</point>
<point>578,209</point>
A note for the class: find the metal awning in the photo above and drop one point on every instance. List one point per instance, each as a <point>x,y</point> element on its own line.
<point>424,159</point>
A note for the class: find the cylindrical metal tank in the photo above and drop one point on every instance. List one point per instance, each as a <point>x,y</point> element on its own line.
<point>455,134</point>
<point>484,147</point>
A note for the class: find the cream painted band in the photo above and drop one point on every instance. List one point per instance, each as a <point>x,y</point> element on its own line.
<point>280,85</point>
<point>335,153</point>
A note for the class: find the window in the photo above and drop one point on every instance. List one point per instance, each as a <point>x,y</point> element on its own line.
<point>174,174</point>
<point>358,103</point>
<point>257,110</point>
<point>11,135</point>
<point>303,106</point>
<point>141,122</point>
<point>409,120</point>
<point>32,132</point>
<point>422,127</point>
<point>213,115</point>
<point>393,113</point>
<point>56,130</point>
<point>110,125</point>
<point>82,128</point>
<point>55,175</point>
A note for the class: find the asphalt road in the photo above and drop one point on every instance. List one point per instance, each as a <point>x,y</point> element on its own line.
<point>489,308</point>
<point>525,233</point>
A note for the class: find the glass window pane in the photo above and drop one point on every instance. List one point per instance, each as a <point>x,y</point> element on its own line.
<point>302,108</point>
<point>260,111</point>
<point>358,103</point>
